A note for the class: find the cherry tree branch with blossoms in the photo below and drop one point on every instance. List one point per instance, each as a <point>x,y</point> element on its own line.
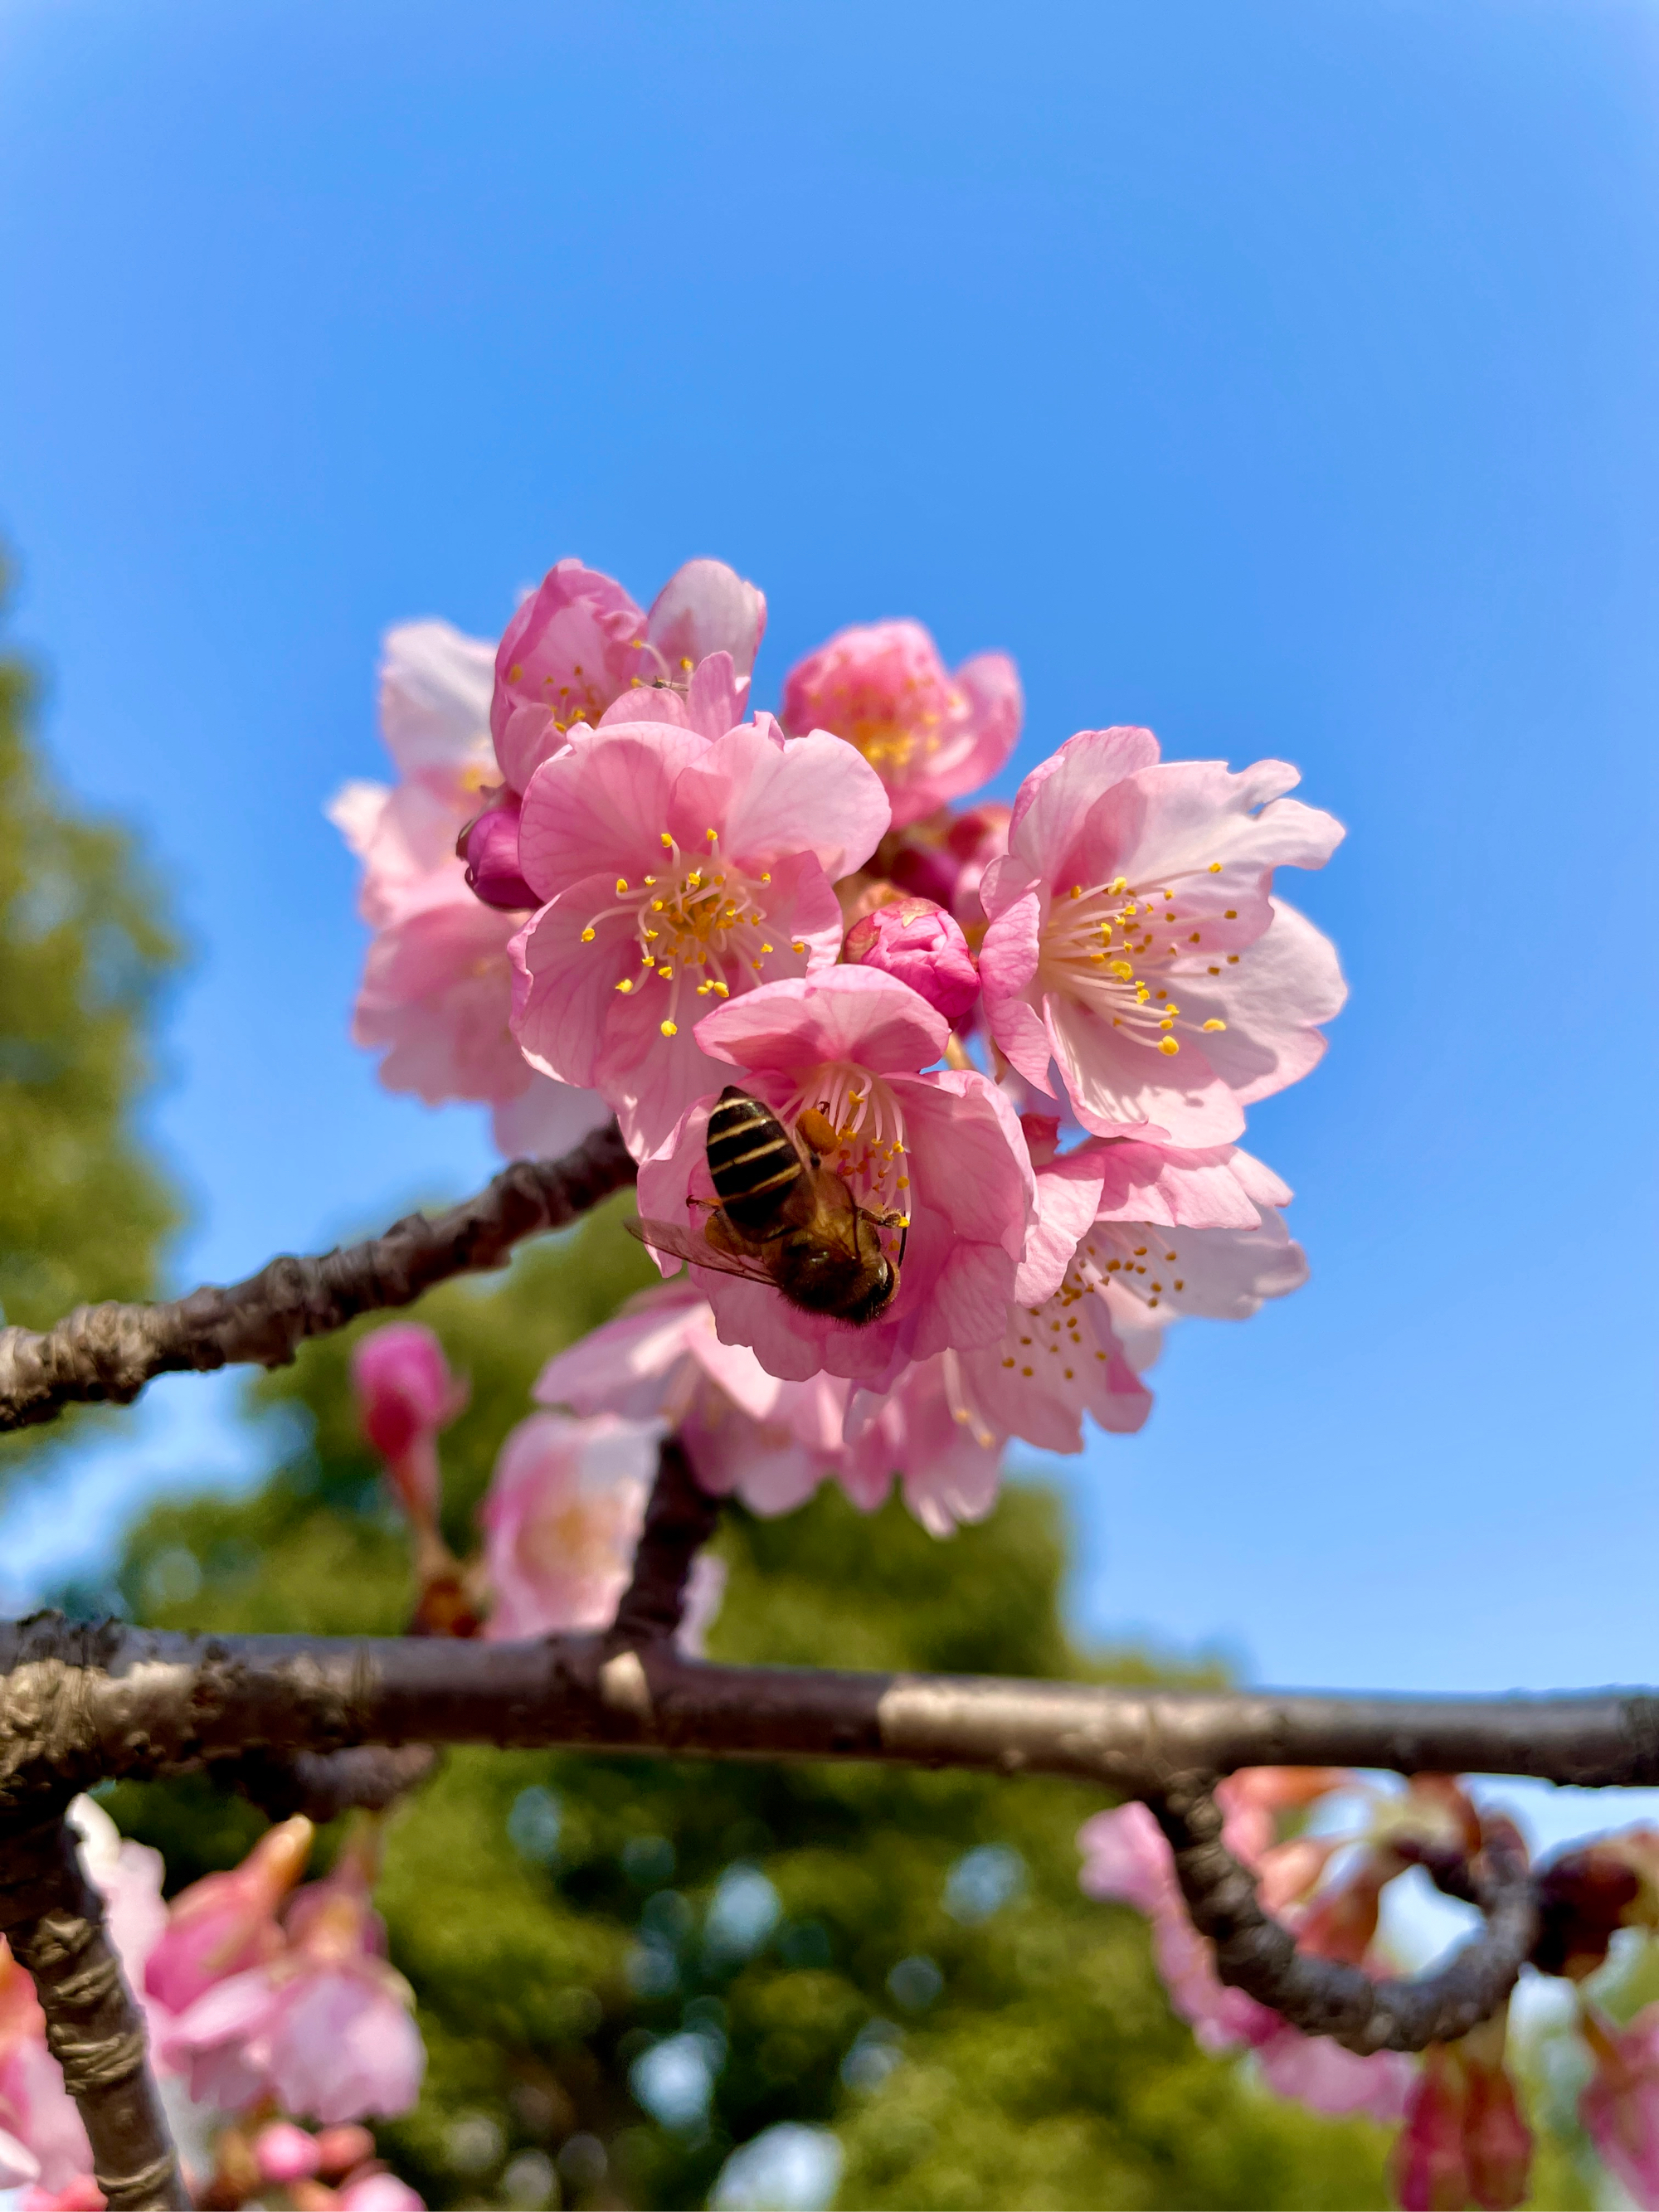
<point>992,1064</point>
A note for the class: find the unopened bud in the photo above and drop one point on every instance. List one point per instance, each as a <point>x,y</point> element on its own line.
<point>338,2149</point>
<point>489,846</point>
<point>920,944</point>
<point>405,1394</point>
<point>284,2153</point>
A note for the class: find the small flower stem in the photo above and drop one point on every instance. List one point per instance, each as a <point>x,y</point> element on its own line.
<point>53,1919</point>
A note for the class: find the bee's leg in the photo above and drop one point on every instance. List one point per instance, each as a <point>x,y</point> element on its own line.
<point>718,1231</point>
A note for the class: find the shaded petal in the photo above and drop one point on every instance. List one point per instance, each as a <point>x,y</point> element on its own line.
<point>855,1014</point>
<point>601,807</point>
<point>770,797</point>
<point>563,991</point>
<point>1008,961</point>
<point>704,608</point>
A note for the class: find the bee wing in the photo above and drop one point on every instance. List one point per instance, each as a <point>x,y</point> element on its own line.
<point>696,1251</point>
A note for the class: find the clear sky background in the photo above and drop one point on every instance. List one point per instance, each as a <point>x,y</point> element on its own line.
<point>1282,376</point>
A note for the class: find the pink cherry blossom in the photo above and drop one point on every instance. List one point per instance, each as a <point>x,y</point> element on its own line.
<point>930,736</point>
<point>1172,1233</point>
<point>579,643</point>
<point>284,2153</point>
<point>379,2192</point>
<point>37,2113</point>
<point>405,1394</point>
<point>437,993</point>
<point>941,1147</point>
<point>1134,940</point>
<point>922,945</point>
<point>1619,2105</point>
<point>949,1469</point>
<point>322,2027</point>
<point>564,1510</point>
<point>768,1442</point>
<point>79,2194</point>
<point>679,871</point>
<point>434,716</point>
<point>227,1922</point>
<point>1463,2140</point>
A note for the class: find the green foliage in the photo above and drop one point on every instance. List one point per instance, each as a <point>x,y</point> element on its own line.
<point>560,1914</point>
<point>83,954</point>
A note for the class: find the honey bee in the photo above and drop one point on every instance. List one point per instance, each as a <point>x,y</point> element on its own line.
<point>780,1216</point>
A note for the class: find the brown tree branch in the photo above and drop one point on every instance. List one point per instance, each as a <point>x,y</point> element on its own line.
<point>83,1703</point>
<point>1323,1997</point>
<point>108,1352</point>
<point>679,1520</point>
<point>53,1919</point>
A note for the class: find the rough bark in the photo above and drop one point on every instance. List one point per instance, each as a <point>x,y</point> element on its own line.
<point>1323,1996</point>
<point>54,1921</point>
<point>109,1352</point>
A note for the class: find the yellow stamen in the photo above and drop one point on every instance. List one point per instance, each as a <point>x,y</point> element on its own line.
<point>1213,1024</point>
<point>1169,1044</point>
<point>671,1028</point>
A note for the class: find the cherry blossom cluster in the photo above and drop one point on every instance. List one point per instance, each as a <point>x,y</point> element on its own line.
<point>606,883</point>
<point>1323,1846</point>
<point>267,2005</point>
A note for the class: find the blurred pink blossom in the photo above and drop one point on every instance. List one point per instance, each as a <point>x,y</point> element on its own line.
<point>929,735</point>
<point>923,946</point>
<point>405,1394</point>
<point>437,991</point>
<point>379,2192</point>
<point>949,1470</point>
<point>579,643</point>
<point>1619,2105</point>
<point>227,1923</point>
<point>1463,2140</point>
<point>1134,937</point>
<point>322,2027</point>
<point>564,1510</point>
<point>769,1441</point>
<point>941,1148</point>
<point>284,2153</point>
<point>679,871</point>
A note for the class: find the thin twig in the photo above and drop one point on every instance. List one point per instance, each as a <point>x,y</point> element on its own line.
<point>53,1919</point>
<point>1323,1997</point>
<point>109,1352</point>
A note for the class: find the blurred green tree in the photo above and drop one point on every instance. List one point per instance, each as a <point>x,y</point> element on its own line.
<point>85,950</point>
<point>627,1966</point>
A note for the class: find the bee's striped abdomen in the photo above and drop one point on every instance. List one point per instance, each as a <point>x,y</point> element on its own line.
<point>752,1162</point>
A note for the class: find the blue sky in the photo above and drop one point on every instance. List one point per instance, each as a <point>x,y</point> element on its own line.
<point>1282,376</point>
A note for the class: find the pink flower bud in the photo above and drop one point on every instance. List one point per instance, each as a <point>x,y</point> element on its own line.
<point>339,2149</point>
<point>920,944</point>
<point>1463,2140</point>
<point>405,1394</point>
<point>227,1922</point>
<point>285,2153</point>
<point>489,846</point>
